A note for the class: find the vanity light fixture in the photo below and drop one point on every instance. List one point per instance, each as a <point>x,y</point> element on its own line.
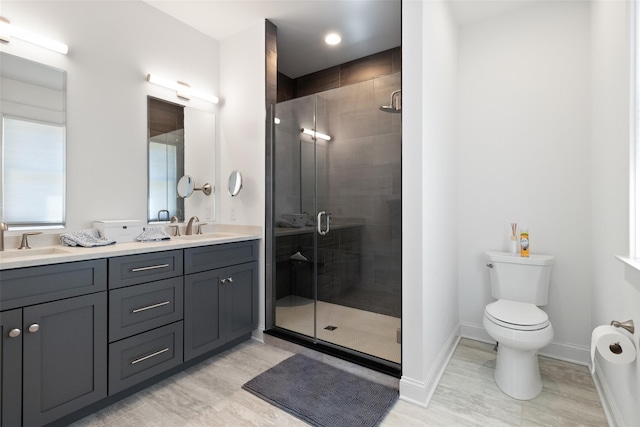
<point>183,90</point>
<point>8,31</point>
<point>315,134</point>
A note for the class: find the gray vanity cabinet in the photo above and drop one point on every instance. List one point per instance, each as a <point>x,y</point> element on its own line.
<point>74,335</point>
<point>145,317</point>
<point>11,368</point>
<point>54,341</point>
<point>221,304</point>
<point>64,357</point>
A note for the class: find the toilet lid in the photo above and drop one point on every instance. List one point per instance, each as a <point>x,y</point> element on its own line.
<point>517,315</point>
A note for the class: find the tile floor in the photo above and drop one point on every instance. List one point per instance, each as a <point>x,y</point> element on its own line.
<point>210,394</point>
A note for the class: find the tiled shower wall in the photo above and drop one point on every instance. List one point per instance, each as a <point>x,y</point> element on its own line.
<point>364,182</point>
<point>360,175</point>
<point>357,71</point>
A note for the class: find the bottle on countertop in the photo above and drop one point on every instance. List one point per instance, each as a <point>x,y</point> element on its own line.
<point>524,242</point>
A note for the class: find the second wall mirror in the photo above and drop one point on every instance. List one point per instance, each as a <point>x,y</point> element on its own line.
<point>235,183</point>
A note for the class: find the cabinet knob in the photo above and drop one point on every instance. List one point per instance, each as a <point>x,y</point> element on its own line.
<point>34,328</point>
<point>15,333</point>
<point>230,279</point>
<point>223,281</point>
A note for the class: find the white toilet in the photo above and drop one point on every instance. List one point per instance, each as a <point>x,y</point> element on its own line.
<point>521,285</point>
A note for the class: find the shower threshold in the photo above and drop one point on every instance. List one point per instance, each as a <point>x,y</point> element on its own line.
<point>361,359</point>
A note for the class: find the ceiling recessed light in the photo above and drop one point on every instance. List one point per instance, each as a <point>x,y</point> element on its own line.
<point>333,39</point>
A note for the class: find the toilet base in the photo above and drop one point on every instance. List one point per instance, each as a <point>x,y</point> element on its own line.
<point>518,373</point>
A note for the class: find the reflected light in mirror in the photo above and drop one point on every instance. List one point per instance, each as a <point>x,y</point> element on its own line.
<point>315,134</point>
<point>183,90</point>
<point>7,31</point>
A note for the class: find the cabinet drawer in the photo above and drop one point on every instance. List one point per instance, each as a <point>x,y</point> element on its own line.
<point>133,269</point>
<point>144,356</point>
<point>137,309</point>
<point>217,256</point>
<point>33,285</point>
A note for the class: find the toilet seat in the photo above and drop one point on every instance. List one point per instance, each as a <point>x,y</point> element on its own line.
<point>516,315</point>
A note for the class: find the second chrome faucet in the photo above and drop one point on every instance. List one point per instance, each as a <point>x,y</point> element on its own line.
<point>189,230</point>
<point>24,244</point>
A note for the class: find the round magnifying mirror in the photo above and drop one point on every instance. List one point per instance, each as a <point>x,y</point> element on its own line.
<point>186,185</point>
<point>235,183</point>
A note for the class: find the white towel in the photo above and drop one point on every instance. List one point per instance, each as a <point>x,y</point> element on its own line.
<point>87,238</point>
<point>153,234</point>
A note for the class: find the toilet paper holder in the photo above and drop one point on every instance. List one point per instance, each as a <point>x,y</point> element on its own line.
<point>628,325</point>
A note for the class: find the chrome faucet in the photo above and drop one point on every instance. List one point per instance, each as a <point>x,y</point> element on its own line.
<point>189,230</point>
<point>25,243</point>
<point>3,227</point>
<point>174,224</point>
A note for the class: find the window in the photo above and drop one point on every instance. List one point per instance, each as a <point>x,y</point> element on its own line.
<point>163,179</point>
<point>33,173</point>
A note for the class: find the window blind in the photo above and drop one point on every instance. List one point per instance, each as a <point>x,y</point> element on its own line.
<point>33,172</point>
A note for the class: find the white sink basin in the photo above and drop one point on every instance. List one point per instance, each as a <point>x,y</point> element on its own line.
<point>25,253</point>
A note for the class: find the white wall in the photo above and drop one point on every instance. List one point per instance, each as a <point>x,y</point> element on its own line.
<point>523,124</point>
<point>112,46</point>
<point>242,134</point>
<point>614,298</point>
<point>429,204</point>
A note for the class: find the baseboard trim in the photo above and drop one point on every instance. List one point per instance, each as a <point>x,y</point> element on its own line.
<point>614,418</point>
<point>258,334</point>
<point>561,351</point>
<point>420,392</point>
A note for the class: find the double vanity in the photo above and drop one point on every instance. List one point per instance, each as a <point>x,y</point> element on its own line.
<point>85,327</point>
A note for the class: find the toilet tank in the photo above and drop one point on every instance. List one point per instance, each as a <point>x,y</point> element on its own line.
<point>516,278</point>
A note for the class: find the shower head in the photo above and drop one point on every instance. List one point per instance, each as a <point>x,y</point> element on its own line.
<point>395,106</point>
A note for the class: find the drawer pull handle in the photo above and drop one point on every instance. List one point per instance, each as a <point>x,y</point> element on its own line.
<point>149,356</point>
<point>151,267</point>
<point>149,307</point>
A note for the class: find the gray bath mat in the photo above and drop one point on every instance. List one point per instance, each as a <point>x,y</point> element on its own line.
<point>322,395</point>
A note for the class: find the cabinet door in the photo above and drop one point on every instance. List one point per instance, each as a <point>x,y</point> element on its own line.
<point>11,368</point>
<point>65,357</point>
<point>241,300</point>
<point>203,325</point>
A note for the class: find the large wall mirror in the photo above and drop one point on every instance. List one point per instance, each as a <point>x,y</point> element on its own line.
<point>165,152</point>
<point>33,129</point>
<point>181,141</point>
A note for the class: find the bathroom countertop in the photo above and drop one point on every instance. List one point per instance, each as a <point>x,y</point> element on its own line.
<point>46,255</point>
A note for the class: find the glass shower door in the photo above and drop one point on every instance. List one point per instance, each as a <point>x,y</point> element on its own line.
<point>294,209</point>
<point>337,219</point>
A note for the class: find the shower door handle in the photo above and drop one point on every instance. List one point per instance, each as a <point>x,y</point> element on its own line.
<point>328,216</point>
<point>319,223</point>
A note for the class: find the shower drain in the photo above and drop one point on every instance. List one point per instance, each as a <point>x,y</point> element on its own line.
<point>331,328</point>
